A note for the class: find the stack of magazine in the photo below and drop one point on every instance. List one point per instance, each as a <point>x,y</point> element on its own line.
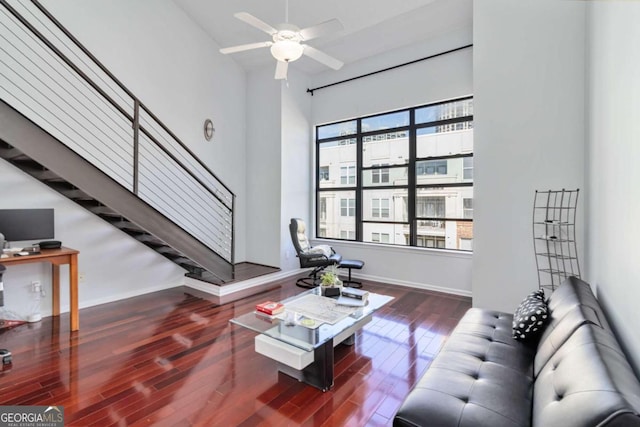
<point>353,297</point>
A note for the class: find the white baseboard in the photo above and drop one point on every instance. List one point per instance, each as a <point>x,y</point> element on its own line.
<point>221,291</point>
<point>418,285</point>
<point>226,290</point>
<point>113,298</point>
<point>261,280</point>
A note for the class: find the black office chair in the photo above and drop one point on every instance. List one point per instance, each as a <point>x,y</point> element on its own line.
<point>319,257</point>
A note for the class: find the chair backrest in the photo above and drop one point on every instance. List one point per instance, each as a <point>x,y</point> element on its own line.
<point>298,231</point>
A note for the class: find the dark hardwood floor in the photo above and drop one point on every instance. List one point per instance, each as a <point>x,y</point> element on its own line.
<point>172,358</point>
<point>249,270</point>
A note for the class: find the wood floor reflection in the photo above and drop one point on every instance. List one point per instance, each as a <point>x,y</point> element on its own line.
<point>171,358</point>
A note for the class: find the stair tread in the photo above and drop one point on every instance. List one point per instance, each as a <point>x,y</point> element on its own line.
<point>75,194</point>
<point>102,210</point>
<point>183,260</point>
<point>167,250</point>
<point>149,238</point>
<point>43,175</point>
<point>126,225</point>
<point>12,154</point>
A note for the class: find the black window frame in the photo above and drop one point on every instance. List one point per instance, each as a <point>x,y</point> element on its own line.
<point>412,187</point>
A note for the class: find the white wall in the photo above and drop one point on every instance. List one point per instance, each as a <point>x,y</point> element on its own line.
<point>114,266</point>
<point>529,80</point>
<point>176,70</point>
<point>437,270</point>
<point>278,163</point>
<point>297,149</point>
<point>264,135</point>
<point>614,150</point>
<point>433,80</point>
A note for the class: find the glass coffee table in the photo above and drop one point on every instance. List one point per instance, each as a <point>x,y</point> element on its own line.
<point>301,339</point>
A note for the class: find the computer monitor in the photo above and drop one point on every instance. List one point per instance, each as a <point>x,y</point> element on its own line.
<point>26,224</point>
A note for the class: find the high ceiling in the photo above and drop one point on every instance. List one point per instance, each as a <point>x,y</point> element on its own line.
<point>371,27</point>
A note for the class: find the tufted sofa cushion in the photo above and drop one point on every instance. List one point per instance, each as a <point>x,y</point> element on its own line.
<point>482,376</point>
<point>571,293</point>
<point>576,376</point>
<point>587,382</point>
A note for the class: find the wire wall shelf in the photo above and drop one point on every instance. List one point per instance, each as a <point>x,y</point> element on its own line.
<point>554,236</point>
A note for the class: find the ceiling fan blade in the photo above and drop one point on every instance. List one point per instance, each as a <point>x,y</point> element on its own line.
<point>322,57</point>
<point>281,70</point>
<point>255,22</point>
<point>242,47</point>
<point>327,27</point>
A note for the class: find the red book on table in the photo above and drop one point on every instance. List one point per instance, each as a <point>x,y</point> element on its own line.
<point>270,307</point>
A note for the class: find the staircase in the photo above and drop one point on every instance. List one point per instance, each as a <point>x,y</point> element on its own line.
<point>68,122</point>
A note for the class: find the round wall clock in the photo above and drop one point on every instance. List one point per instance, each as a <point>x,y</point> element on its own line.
<point>209,130</point>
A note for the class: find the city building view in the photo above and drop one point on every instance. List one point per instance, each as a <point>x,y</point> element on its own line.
<point>400,178</point>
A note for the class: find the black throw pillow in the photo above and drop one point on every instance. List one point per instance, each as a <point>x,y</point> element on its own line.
<point>531,316</point>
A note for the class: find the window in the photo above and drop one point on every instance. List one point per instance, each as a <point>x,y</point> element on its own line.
<point>347,235</point>
<point>380,237</point>
<point>433,207</point>
<point>380,176</point>
<point>324,173</point>
<point>406,177</point>
<point>467,208</point>
<point>323,209</point>
<point>431,242</point>
<point>380,208</point>
<point>467,168</point>
<point>347,141</point>
<point>347,207</point>
<point>432,167</point>
<point>347,175</point>
<point>466,244</point>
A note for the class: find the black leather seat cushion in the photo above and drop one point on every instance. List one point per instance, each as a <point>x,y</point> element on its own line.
<point>577,375</point>
<point>351,263</point>
<point>482,376</point>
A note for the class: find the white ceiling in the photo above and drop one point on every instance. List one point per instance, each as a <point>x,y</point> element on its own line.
<point>371,27</point>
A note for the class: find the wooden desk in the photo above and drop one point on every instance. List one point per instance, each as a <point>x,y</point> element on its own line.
<point>56,257</point>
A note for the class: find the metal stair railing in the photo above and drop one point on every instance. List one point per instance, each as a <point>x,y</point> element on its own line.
<point>50,77</point>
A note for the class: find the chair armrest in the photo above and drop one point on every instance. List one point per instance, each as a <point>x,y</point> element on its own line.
<point>320,251</point>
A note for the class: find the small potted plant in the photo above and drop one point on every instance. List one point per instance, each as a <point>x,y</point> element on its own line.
<point>330,282</point>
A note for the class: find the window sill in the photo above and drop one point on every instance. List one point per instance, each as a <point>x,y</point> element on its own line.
<point>394,248</point>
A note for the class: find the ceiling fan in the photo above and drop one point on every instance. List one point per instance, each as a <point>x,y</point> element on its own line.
<point>286,44</point>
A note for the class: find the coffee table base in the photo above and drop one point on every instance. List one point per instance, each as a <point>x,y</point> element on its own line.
<point>319,373</point>
<point>311,367</point>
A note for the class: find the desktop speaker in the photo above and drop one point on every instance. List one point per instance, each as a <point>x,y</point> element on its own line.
<point>50,244</point>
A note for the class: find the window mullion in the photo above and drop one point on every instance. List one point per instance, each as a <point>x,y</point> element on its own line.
<point>317,181</point>
<point>359,196</point>
<point>411,181</point>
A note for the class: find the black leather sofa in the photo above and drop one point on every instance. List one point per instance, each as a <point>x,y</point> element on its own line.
<point>576,375</point>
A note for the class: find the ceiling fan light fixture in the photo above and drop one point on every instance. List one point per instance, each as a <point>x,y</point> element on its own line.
<point>287,50</point>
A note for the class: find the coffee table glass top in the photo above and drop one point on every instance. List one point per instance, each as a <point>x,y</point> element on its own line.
<point>309,319</point>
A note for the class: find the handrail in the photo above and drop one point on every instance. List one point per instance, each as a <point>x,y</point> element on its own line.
<point>62,56</point>
<point>166,129</point>
<point>136,145</point>
<point>114,78</point>
<point>196,170</point>
<point>177,161</point>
